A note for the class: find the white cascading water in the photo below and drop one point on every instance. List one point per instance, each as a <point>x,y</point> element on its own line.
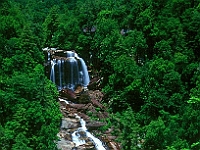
<point>68,70</point>
<point>60,74</point>
<point>83,71</point>
<point>52,75</point>
<point>70,54</point>
<point>76,137</point>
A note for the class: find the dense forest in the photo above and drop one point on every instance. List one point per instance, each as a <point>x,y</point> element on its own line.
<point>146,51</point>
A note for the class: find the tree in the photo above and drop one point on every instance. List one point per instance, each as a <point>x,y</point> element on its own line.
<point>67,32</point>
<point>29,111</point>
<point>50,26</point>
<point>126,126</point>
<point>154,136</point>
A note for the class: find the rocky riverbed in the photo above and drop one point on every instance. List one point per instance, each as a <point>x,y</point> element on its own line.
<point>76,105</point>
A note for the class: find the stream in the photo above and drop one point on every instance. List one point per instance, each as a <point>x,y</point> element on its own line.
<point>82,136</point>
<point>76,137</point>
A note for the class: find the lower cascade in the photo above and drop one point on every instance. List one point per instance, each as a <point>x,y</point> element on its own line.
<point>66,69</point>
<point>76,136</point>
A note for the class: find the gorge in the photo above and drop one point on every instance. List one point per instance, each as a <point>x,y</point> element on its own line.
<point>68,71</point>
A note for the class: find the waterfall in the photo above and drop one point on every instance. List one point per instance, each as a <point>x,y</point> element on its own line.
<point>83,73</point>
<point>67,69</point>
<point>52,75</point>
<point>78,140</point>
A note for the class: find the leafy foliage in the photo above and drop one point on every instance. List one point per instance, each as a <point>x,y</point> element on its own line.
<point>146,51</point>
<point>28,102</point>
<point>29,113</point>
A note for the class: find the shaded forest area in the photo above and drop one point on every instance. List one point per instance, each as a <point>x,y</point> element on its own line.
<point>147,51</point>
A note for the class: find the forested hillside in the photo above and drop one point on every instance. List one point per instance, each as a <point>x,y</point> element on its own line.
<point>146,51</point>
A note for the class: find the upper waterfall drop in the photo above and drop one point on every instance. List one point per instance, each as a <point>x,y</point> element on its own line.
<point>66,69</point>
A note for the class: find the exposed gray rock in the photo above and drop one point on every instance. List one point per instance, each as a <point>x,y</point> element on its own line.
<point>69,123</point>
<point>87,146</point>
<point>65,144</point>
<point>94,125</point>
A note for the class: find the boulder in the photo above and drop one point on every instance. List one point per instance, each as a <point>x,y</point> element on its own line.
<point>84,116</point>
<point>97,95</point>
<point>64,134</point>
<point>68,93</point>
<point>111,144</point>
<point>97,104</point>
<point>65,144</point>
<point>84,98</point>
<point>94,125</point>
<point>71,115</point>
<point>68,123</point>
<point>102,115</point>
<point>78,106</point>
<point>79,89</point>
<point>93,84</point>
<point>87,146</point>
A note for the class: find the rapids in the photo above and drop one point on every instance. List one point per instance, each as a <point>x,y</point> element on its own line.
<point>76,137</point>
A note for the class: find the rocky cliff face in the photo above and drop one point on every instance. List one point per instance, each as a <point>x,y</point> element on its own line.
<point>82,103</point>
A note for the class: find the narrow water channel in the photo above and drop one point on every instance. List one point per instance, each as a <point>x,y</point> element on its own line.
<point>78,140</point>
<point>82,136</point>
